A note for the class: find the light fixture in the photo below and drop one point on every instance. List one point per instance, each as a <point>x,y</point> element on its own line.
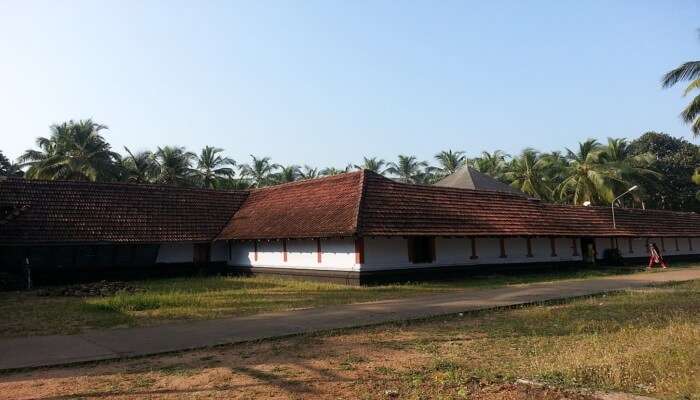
<point>612,205</point>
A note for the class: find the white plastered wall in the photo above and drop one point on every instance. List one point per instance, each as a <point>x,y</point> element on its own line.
<point>385,253</point>
<point>219,251</point>
<point>639,244</point>
<point>175,253</point>
<point>337,254</point>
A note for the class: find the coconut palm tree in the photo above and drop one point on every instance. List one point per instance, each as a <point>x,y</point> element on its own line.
<point>373,164</point>
<point>74,151</point>
<point>139,167</point>
<point>7,168</point>
<point>631,168</point>
<point>491,164</point>
<point>260,172</point>
<point>588,175</point>
<point>449,161</point>
<point>330,171</point>
<point>696,180</point>
<point>289,173</point>
<point>173,166</point>
<point>408,169</point>
<point>689,71</point>
<point>527,172</point>
<point>308,172</point>
<point>212,167</point>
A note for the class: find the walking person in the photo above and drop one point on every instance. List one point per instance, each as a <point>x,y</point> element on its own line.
<point>655,257</point>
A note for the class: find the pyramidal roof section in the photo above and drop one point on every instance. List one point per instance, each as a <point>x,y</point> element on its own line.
<point>322,207</point>
<point>469,178</point>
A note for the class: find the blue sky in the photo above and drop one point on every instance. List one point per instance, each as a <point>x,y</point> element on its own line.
<point>326,82</point>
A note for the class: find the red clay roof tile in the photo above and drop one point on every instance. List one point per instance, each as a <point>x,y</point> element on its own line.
<point>392,208</point>
<point>65,211</point>
<point>359,203</point>
<point>323,207</point>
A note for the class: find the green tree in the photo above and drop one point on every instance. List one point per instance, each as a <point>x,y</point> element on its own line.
<point>73,151</point>
<point>309,172</point>
<point>689,72</point>
<point>492,164</point>
<point>173,166</point>
<point>631,169</point>
<point>696,180</point>
<point>588,177</point>
<point>260,172</point>
<point>675,160</point>
<point>374,164</point>
<point>449,161</point>
<point>330,171</point>
<point>7,168</point>
<point>289,173</point>
<point>212,167</point>
<point>526,172</point>
<point>139,167</point>
<point>408,169</point>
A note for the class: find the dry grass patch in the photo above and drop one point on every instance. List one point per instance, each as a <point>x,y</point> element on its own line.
<point>189,298</point>
<point>643,341</point>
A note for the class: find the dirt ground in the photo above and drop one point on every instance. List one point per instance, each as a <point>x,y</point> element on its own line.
<point>348,366</point>
<point>644,341</point>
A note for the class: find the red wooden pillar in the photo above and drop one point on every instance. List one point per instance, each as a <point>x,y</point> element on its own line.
<point>359,250</point>
<point>319,257</point>
<point>255,250</point>
<point>284,250</point>
<point>502,242</point>
<point>473,241</point>
<point>528,241</point>
<point>553,246</point>
<point>574,247</point>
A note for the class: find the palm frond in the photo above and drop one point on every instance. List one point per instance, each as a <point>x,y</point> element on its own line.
<point>686,72</point>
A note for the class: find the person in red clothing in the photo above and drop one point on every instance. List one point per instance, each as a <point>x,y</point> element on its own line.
<point>655,256</point>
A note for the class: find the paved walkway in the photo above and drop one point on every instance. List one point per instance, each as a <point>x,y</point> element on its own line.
<point>42,351</point>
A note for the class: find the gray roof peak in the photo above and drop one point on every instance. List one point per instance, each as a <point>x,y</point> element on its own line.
<point>469,178</point>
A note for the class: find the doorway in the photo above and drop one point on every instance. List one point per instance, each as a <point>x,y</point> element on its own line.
<point>201,254</point>
<point>588,249</point>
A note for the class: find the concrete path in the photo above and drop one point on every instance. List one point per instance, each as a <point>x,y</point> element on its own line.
<point>43,351</point>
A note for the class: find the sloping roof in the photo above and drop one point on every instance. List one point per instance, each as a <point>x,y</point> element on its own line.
<point>321,207</point>
<point>469,178</point>
<point>354,204</point>
<point>64,211</point>
<point>392,208</point>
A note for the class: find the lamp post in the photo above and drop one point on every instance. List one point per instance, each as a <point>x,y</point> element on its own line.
<point>612,205</point>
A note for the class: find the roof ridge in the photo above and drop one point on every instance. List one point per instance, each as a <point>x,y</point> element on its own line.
<point>607,208</point>
<point>360,201</point>
<point>305,181</point>
<point>120,184</point>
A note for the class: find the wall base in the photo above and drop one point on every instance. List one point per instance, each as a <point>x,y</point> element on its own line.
<point>405,274</point>
<point>319,275</point>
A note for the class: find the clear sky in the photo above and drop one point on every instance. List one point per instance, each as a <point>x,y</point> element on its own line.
<point>326,82</point>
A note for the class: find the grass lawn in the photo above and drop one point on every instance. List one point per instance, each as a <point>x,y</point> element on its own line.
<point>644,341</point>
<point>26,313</point>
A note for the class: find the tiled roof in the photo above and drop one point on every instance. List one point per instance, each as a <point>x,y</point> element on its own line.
<point>359,203</point>
<point>392,208</point>
<point>62,211</point>
<point>322,207</point>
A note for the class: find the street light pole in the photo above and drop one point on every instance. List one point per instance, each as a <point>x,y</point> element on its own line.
<point>612,205</point>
